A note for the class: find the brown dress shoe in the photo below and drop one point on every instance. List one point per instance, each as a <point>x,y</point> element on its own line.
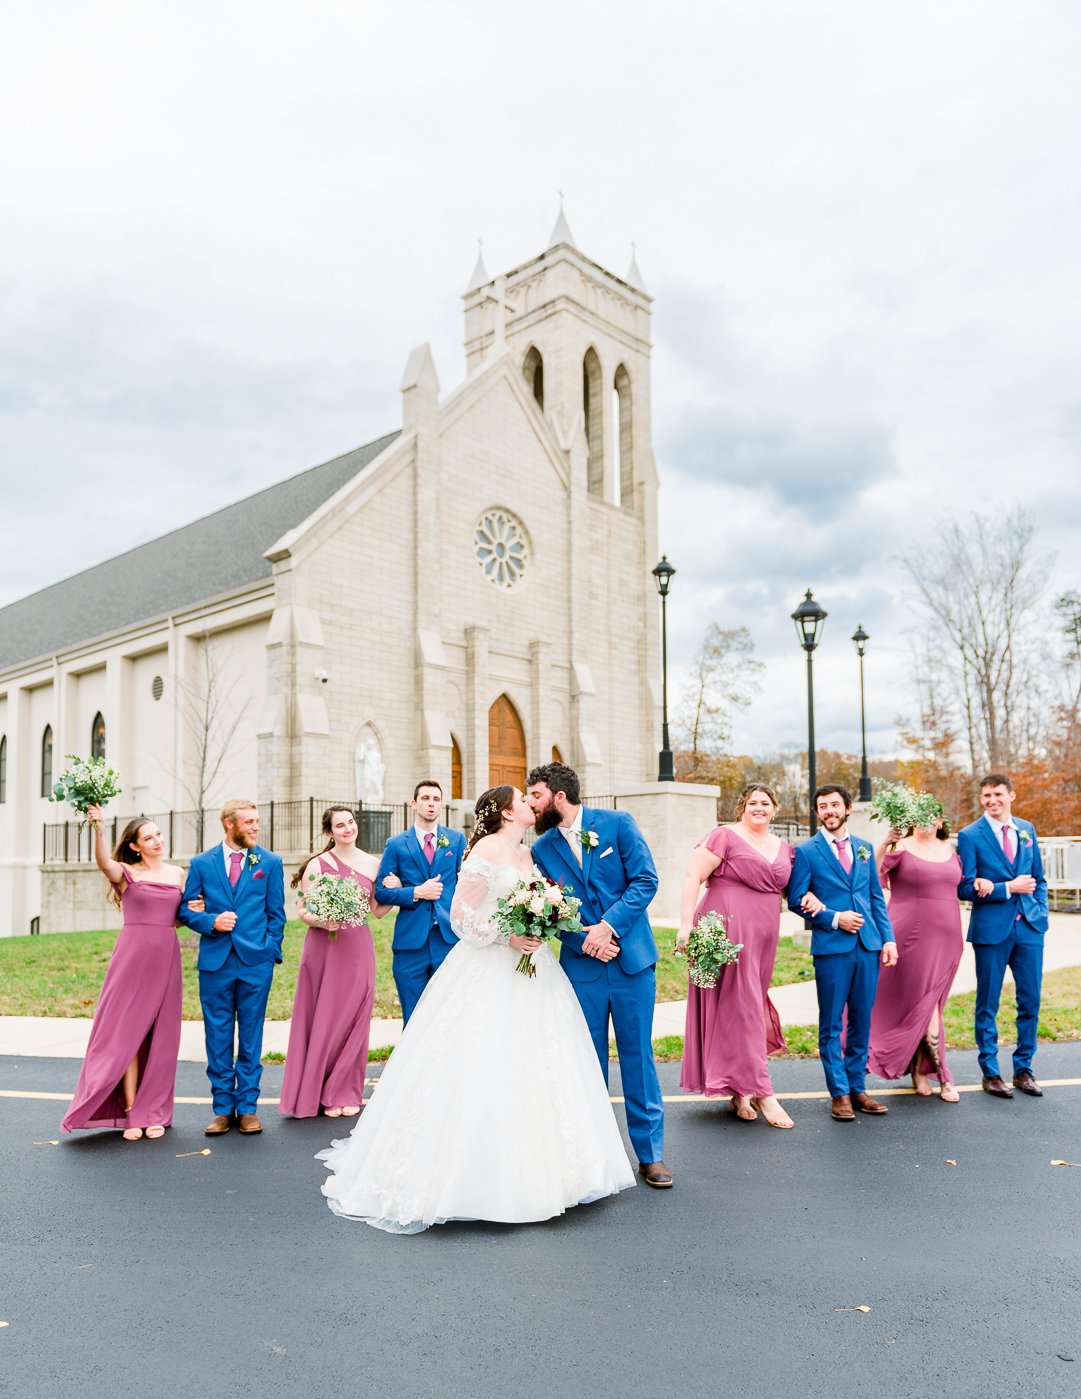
<point>218,1126</point>
<point>1027,1084</point>
<point>996,1087</point>
<point>248,1123</point>
<point>841,1109</point>
<point>657,1174</point>
<point>863,1102</point>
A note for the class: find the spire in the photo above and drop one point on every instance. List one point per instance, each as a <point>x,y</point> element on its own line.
<point>634,276</point>
<point>480,276</point>
<point>561,233</point>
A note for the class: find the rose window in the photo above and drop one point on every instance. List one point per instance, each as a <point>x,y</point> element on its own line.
<point>500,547</point>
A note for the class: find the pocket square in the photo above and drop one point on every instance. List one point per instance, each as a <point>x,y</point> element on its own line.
<point>258,874</point>
<point>606,852</point>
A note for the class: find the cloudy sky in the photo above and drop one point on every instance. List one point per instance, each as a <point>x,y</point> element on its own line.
<point>226,226</point>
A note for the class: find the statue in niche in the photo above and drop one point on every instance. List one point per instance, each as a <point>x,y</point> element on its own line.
<point>369,770</point>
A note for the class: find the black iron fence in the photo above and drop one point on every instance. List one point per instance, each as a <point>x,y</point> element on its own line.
<point>284,826</point>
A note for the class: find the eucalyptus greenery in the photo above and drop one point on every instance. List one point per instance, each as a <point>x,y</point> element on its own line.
<point>88,782</point>
<point>709,949</point>
<point>537,908</point>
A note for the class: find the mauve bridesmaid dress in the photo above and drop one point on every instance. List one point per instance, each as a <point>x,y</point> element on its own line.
<point>731,1028</point>
<point>327,1056</point>
<point>138,1013</point>
<point>926,920</point>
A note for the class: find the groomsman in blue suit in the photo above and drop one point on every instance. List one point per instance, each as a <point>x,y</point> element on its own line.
<point>418,874</point>
<point>238,891</point>
<point>850,935</point>
<point>611,963</point>
<point>1002,875</point>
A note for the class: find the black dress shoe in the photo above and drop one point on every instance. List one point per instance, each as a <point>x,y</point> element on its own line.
<point>657,1174</point>
<point>1027,1084</point>
<point>996,1088</point>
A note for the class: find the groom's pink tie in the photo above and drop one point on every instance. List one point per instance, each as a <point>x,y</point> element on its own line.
<point>429,847</point>
<point>1007,843</point>
<point>843,855</point>
<point>235,858</point>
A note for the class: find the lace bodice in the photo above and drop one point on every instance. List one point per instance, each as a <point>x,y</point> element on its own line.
<point>480,887</point>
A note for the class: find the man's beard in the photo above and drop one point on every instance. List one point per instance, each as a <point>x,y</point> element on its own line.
<point>243,841</point>
<point>547,819</point>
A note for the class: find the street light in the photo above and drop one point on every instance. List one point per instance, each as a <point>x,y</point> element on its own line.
<point>663,574</point>
<point>860,637</point>
<point>808,618</point>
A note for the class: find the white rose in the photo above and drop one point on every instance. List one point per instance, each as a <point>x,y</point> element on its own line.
<point>554,895</point>
<point>536,904</point>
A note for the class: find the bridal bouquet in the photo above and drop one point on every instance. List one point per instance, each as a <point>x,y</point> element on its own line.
<point>536,908</point>
<point>709,949</point>
<point>901,806</point>
<point>88,782</point>
<point>332,899</point>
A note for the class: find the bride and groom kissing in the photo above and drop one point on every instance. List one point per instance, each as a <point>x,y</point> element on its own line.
<point>494,1104</point>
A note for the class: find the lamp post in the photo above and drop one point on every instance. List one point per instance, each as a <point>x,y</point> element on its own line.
<point>860,637</point>
<point>663,575</point>
<point>808,618</point>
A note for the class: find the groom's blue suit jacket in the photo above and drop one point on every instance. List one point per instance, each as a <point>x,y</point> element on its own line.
<point>982,857</point>
<point>817,868</point>
<point>258,899</point>
<point>616,884</point>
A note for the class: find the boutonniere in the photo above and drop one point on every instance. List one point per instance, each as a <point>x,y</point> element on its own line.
<point>1024,837</point>
<point>862,853</point>
<point>589,840</point>
<point>253,858</point>
<point>442,843</point>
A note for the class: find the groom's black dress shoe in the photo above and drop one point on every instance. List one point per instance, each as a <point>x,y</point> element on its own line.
<point>1027,1084</point>
<point>217,1126</point>
<point>997,1088</point>
<point>657,1174</point>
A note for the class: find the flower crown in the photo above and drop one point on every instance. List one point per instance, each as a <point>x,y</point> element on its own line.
<point>488,809</point>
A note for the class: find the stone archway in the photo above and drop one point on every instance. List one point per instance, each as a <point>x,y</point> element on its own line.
<point>506,745</point>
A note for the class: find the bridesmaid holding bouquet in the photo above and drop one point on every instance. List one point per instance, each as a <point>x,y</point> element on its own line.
<point>923,872</point>
<point>129,1073</point>
<point>327,1056</point>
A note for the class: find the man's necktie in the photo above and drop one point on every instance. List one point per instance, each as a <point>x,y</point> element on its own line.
<point>429,847</point>
<point>236,858</point>
<point>843,855</point>
<point>1007,843</point>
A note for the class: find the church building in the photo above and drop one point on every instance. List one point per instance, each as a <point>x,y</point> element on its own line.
<point>460,599</point>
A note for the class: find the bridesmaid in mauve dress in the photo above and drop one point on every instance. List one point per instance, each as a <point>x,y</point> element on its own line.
<point>129,1073</point>
<point>327,1056</point>
<point>733,1027</point>
<point>907,1034</point>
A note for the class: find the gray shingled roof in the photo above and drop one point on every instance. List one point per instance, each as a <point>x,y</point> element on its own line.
<point>202,560</point>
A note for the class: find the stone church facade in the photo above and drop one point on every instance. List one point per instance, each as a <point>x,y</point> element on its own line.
<point>462,598</point>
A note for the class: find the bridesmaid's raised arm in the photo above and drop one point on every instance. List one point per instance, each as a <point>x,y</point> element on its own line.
<point>892,839</point>
<point>703,863</point>
<point>112,869</point>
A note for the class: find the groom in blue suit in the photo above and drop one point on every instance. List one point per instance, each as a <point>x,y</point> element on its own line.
<point>1002,875</point>
<point>418,874</point>
<point>851,933</point>
<point>611,963</point>
<point>238,892</point>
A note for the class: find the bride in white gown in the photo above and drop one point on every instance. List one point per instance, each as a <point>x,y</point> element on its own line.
<point>493,1105</point>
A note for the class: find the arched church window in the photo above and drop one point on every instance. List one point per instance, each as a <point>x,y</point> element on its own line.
<point>97,737</point>
<point>593,408</point>
<point>47,761</point>
<point>623,436</point>
<point>3,768</point>
<point>455,770</point>
<point>533,369</point>
<point>501,547</point>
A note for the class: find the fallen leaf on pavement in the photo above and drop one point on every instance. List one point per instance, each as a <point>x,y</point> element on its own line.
<point>949,1162</point>
<point>51,1143</point>
<point>863,1308</point>
<point>1066,1163</point>
<point>205,1152</point>
<point>5,1323</point>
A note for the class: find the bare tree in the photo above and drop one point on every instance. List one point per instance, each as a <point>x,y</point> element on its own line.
<point>211,708</point>
<point>724,677</point>
<point>979,586</point>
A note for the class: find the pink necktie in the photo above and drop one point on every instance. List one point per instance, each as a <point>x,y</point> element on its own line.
<point>235,857</point>
<point>843,855</point>
<point>429,847</point>
<point>1007,843</point>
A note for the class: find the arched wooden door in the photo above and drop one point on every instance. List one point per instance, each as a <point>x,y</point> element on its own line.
<point>506,745</point>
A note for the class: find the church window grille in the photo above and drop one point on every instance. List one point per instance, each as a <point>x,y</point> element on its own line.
<point>47,761</point>
<point>501,548</point>
<point>97,737</point>
<point>157,687</point>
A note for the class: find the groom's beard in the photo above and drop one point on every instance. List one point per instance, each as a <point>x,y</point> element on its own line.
<point>547,820</point>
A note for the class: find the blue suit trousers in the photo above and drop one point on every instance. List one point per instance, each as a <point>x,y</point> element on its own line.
<point>846,982</point>
<point>1025,960</point>
<point>235,996</point>
<point>415,966</point>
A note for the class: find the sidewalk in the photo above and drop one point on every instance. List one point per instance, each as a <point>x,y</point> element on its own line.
<point>50,1038</point>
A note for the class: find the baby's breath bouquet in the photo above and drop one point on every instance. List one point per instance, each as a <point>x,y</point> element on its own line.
<point>709,949</point>
<point>88,782</point>
<point>902,807</point>
<point>537,908</point>
<point>332,899</point>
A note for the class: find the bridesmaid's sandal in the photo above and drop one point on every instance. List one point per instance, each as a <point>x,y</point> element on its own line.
<point>332,1112</point>
<point>351,1110</point>
<point>948,1093</point>
<point>743,1108</point>
<point>133,1134</point>
<point>920,1084</point>
<point>781,1120</point>
<point>154,1133</point>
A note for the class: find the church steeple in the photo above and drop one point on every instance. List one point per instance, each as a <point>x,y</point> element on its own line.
<point>480,276</point>
<point>561,233</point>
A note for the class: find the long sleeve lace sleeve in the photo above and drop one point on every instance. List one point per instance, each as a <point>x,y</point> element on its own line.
<point>473,905</point>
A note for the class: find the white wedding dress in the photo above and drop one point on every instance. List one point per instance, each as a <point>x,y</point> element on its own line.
<point>493,1105</point>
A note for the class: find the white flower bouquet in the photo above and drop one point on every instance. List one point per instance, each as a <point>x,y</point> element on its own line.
<point>537,908</point>
<point>332,899</point>
<point>88,782</point>
<point>902,807</point>
<point>709,949</point>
